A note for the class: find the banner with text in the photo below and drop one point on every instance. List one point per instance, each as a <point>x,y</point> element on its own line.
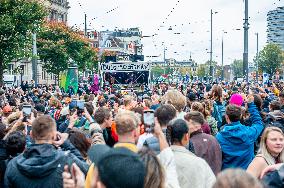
<point>122,67</point>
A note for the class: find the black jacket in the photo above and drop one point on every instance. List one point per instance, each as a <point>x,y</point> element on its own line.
<point>3,161</point>
<point>41,166</point>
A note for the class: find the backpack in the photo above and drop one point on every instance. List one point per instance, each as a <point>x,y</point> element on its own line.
<point>219,111</point>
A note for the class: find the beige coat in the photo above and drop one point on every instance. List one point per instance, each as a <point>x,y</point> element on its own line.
<point>192,171</point>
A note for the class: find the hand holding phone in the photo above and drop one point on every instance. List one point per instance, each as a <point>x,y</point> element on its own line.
<point>27,110</point>
<point>149,120</point>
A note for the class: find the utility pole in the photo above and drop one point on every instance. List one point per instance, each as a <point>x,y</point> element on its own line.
<point>245,54</point>
<point>211,68</point>
<point>85,31</point>
<point>34,60</point>
<point>165,60</point>
<point>222,74</point>
<point>256,72</point>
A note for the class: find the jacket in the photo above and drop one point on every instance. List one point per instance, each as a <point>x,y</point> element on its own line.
<point>192,171</point>
<point>3,161</point>
<point>237,140</point>
<point>41,166</point>
<point>208,148</point>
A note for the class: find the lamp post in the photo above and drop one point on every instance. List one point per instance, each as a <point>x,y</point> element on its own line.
<point>34,60</point>
<point>222,73</point>
<point>256,63</point>
<point>245,54</point>
<point>211,45</point>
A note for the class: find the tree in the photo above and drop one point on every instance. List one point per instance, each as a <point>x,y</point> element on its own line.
<point>201,70</point>
<point>19,18</point>
<point>270,58</point>
<point>237,68</point>
<point>57,43</point>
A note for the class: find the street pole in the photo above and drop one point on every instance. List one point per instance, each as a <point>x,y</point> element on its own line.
<point>245,54</point>
<point>256,72</point>
<point>34,60</point>
<point>222,74</point>
<point>211,68</point>
<point>85,31</point>
<point>164,60</point>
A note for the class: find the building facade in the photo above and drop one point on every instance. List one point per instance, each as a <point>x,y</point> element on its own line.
<point>275,26</point>
<point>58,10</point>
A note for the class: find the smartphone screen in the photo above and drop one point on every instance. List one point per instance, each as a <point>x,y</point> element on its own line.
<point>80,105</point>
<point>27,110</point>
<point>149,118</point>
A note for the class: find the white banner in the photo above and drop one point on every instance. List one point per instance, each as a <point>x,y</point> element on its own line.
<point>125,66</point>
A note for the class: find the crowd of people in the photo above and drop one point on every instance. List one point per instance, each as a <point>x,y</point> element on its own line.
<point>198,135</point>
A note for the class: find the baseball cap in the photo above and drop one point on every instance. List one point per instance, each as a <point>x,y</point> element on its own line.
<point>97,151</point>
<point>120,168</point>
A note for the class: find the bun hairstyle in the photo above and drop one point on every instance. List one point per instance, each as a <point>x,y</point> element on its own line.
<point>176,130</point>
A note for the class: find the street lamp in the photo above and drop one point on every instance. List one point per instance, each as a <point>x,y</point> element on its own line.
<point>211,44</point>
<point>222,73</point>
<point>245,54</point>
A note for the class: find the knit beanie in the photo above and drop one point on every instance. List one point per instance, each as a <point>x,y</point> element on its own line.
<point>236,99</point>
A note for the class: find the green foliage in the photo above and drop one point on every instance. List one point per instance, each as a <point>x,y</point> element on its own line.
<point>57,43</point>
<point>19,18</point>
<point>270,58</point>
<point>237,68</point>
<point>157,71</point>
<point>201,70</point>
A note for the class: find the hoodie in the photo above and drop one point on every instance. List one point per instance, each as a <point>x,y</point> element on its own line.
<point>41,166</point>
<point>237,140</point>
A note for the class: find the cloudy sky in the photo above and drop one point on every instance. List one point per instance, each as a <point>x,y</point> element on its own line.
<point>189,20</point>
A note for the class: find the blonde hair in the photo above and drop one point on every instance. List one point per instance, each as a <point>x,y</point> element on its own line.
<point>263,150</point>
<point>176,98</point>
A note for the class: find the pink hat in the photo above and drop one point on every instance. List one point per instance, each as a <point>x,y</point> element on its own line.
<point>236,99</point>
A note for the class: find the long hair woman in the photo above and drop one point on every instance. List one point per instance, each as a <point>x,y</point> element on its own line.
<point>270,152</point>
<point>155,172</point>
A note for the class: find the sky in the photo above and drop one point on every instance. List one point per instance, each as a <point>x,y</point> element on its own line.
<point>190,23</point>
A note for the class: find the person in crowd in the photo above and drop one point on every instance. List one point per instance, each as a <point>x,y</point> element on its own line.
<point>161,169</point>
<point>165,113</point>
<point>275,115</point>
<point>272,176</point>
<point>103,116</point>
<point>232,178</point>
<point>192,171</point>
<point>129,102</point>
<point>197,106</point>
<point>11,147</point>
<point>208,109</point>
<point>43,163</point>
<point>177,99</point>
<point>218,105</point>
<point>281,98</point>
<point>118,167</point>
<point>237,140</point>
<point>80,142</point>
<point>155,102</point>
<point>128,130</point>
<point>270,153</point>
<point>205,146</point>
